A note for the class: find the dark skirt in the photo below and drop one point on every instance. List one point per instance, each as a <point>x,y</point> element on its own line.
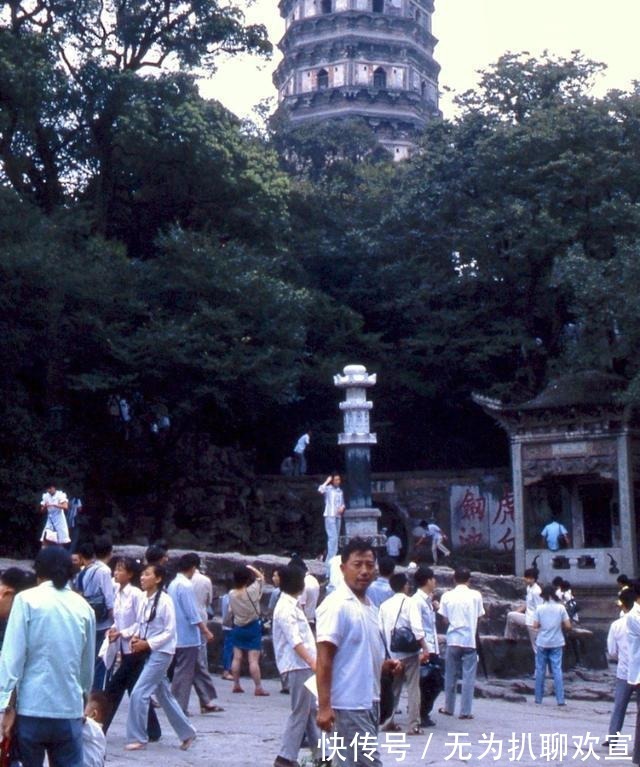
<point>248,637</point>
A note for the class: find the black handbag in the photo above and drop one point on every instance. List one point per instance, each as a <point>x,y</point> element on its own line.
<point>402,638</point>
<point>431,675</point>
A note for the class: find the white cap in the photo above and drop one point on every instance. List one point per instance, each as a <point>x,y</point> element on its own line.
<point>412,567</point>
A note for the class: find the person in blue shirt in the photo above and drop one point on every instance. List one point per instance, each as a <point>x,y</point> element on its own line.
<point>380,590</point>
<point>48,655</point>
<point>192,631</point>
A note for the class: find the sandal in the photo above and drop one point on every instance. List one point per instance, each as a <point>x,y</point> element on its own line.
<point>393,727</point>
<point>237,689</point>
<point>465,716</point>
<point>444,712</point>
<point>135,746</point>
<point>261,693</point>
<point>211,709</point>
<point>186,744</point>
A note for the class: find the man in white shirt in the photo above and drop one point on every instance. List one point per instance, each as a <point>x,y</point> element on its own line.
<point>203,681</point>
<point>395,613</point>
<point>618,649</point>
<point>437,537</point>
<point>633,673</point>
<point>524,615</point>
<point>351,657</point>
<point>299,458</point>
<point>461,607</point>
<point>394,546</point>
<point>54,503</point>
<point>333,511</point>
<point>425,631</point>
<point>295,651</point>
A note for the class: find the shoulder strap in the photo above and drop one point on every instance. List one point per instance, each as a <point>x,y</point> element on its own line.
<point>399,611</point>
<point>253,604</point>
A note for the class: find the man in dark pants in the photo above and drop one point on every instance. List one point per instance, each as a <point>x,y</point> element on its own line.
<point>425,632</point>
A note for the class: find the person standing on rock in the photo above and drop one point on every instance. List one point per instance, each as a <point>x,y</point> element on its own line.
<point>351,658</point>
<point>524,615</point>
<point>54,503</point>
<point>461,608</point>
<point>299,458</point>
<point>295,652</point>
<point>549,619</point>
<point>333,511</point>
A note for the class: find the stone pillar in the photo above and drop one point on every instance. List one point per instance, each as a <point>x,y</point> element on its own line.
<point>361,519</point>
<point>627,507</point>
<point>518,506</point>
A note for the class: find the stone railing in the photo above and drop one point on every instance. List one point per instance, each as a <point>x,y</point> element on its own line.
<point>581,567</point>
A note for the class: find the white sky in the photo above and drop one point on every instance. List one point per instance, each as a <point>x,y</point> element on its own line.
<point>473,34</point>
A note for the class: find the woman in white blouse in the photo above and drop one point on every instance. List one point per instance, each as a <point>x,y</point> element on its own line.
<point>127,604</point>
<point>155,637</point>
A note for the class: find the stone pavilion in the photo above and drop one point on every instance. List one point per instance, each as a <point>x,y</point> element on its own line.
<point>575,452</point>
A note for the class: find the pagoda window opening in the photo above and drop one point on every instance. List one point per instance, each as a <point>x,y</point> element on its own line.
<point>379,78</point>
<point>378,6</point>
<point>325,6</point>
<point>323,79</point>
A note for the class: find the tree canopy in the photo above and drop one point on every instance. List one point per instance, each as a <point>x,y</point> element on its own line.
<point>177,290</point>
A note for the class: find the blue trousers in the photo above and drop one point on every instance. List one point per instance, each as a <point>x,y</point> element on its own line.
<point>153,681</point>
<point>551,656</point>
<point>460,662</point>
<point>61,739</point>
<point>332,528</point>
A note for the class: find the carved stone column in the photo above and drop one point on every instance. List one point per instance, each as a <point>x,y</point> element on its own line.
<point>361,519</point>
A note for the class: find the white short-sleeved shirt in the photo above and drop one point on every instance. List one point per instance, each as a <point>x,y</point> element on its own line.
<point>462,607</point>
<point>618,646</point>
<point>290,629</point>
<point>394,546</point>
<point>301,444</point>
<point>395,612</point>
<point>55,499</point>
<point>550,615</point>
<point>532,601</point>
<point>310,596</point>
<point>352,626</point>
<point>633,637</point>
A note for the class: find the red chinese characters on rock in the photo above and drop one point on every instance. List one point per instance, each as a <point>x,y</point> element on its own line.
<point>504,518</point>
<point>471,537</point>
<point>473,508</point>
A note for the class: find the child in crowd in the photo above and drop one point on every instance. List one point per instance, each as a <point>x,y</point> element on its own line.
<point>94,743</point>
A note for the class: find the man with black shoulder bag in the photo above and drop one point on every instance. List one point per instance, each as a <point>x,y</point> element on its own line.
<point>402,645</point>
<point>96,586</point>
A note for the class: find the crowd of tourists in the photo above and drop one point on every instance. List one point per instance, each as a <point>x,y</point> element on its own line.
<point>87,627</point>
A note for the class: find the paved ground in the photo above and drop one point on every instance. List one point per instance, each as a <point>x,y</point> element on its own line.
<point>248,733</point>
